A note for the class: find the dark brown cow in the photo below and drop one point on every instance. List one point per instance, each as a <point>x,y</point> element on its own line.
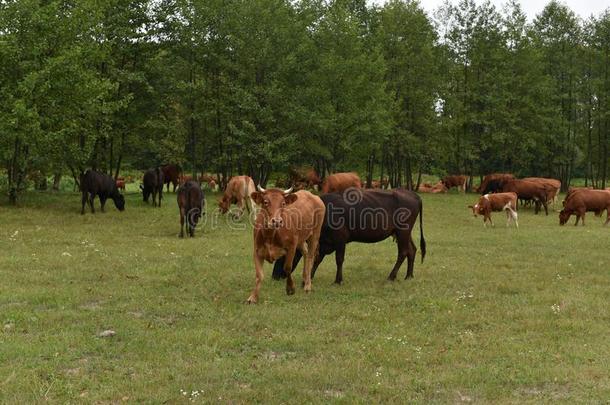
<point>492,183</point>
<point>191,204</point>
<point>306,174</point>
<point>93,183</point>
<point>339,182</point>
<point>528,190</point>
<point>496,202</point>
<point>458,181</point>
<point>238,191</point>
<point>171,174</point>
<point>373,217</point>
<point>287,222</point>
<point>585,200</point>
<point>152,184</point>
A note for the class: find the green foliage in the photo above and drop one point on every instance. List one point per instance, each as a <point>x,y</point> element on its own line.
<point>254,86</point>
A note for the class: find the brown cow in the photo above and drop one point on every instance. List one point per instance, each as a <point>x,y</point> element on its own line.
<point>120,183</point>
<point>585,200</point>
<point>497,202</point>
<point>528,190</point>
<point>492,183</point>
<point>239,191</point>
<point>553,191</point>
<point>458,181</point>
<point>434,189</point>
<point>339,182</point>
<point>171,174</point>
<point>287,222</point>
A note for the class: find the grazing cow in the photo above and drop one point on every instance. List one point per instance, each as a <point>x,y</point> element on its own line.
<point>339,182</point>
<point>528,190</point>
<point>493,183</point>
<point>191,204</point>
<point>171,174</point>
<point>496,202</point>
<point>239,191</point>
<point>120,183</point>
<point>307,175</point>
<point>287,223</point>
<point>434,189</point>
<point>552,191</point>
<point>153,185</point>
<point>375,216</point>
<point>458,181</point>
<point>93,184</point>
<point>585,200</point>
<point>209,179</point>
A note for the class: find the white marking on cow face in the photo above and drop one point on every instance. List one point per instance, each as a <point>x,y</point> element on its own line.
<point>475,209</point>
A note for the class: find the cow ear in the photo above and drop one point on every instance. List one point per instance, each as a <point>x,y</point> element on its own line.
<point>290,198</point>
<point>257,197</point>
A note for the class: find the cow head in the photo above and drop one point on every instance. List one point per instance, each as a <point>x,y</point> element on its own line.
<point>224,204</point>
<point>119,201</point>
<point>564,215</point>
<point>272,203</point>
<point>475,209</point>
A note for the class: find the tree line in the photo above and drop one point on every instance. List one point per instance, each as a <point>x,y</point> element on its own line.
<point>254,86</point>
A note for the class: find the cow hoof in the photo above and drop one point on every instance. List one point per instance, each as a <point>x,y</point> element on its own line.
<point>251,300</point>
<point>290,291</point>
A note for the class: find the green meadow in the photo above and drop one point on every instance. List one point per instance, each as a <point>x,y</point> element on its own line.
<point>500,315</point>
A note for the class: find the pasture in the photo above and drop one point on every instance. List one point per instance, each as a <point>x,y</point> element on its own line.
<point>492,315</point>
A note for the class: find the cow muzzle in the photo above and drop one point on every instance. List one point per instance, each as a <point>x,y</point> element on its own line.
<point>276,222</point>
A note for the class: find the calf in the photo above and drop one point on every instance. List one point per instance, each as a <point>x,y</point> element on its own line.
<point>374,217</point>
<point>287,223</point>
<point>458,181</point>
<point>434,189</point>
<point>528,190</point>
<point>93,184</point>
<point>153,185</point>
<point>238,191</point>
<point>496,202</point>
<point>191,204</point>
<point>171,174</point>
<point>585,200</point>
<point>339,182</point>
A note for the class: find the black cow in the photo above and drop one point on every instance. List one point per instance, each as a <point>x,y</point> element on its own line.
<point>93,184</point>
<point>171,174</point>
<point>367,216</point>
<point>191,204</point>
<point>153,184</point>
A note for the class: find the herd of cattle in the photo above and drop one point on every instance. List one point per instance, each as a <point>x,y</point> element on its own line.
<point>293,224</point>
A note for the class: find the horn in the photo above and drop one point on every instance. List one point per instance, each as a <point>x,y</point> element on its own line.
<point>288,191</point>
<point>262,190</point>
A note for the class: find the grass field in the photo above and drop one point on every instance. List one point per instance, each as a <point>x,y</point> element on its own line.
<point>493,315</point>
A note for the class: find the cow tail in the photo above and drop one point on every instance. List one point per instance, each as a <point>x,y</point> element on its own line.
<point>422,241</point>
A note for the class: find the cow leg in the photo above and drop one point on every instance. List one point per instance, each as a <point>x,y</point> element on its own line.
<point>317,261</point>
<point>175,183</point>
<point>339,259</point>
<point>546,207</point>
<point>583,219</point>
<point>402,254</point>
<point>103,202</point>
<point>608,215</point>
<point>154,195</point>
<point>182,222</point>
<point>160,195</point>
<point>577,218</point>
<point>288,270</point>
<point>308,262</point>
<point>91,201</point>
<point>258,267</point>
<point>84,202</point>
<point>410,258</point>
